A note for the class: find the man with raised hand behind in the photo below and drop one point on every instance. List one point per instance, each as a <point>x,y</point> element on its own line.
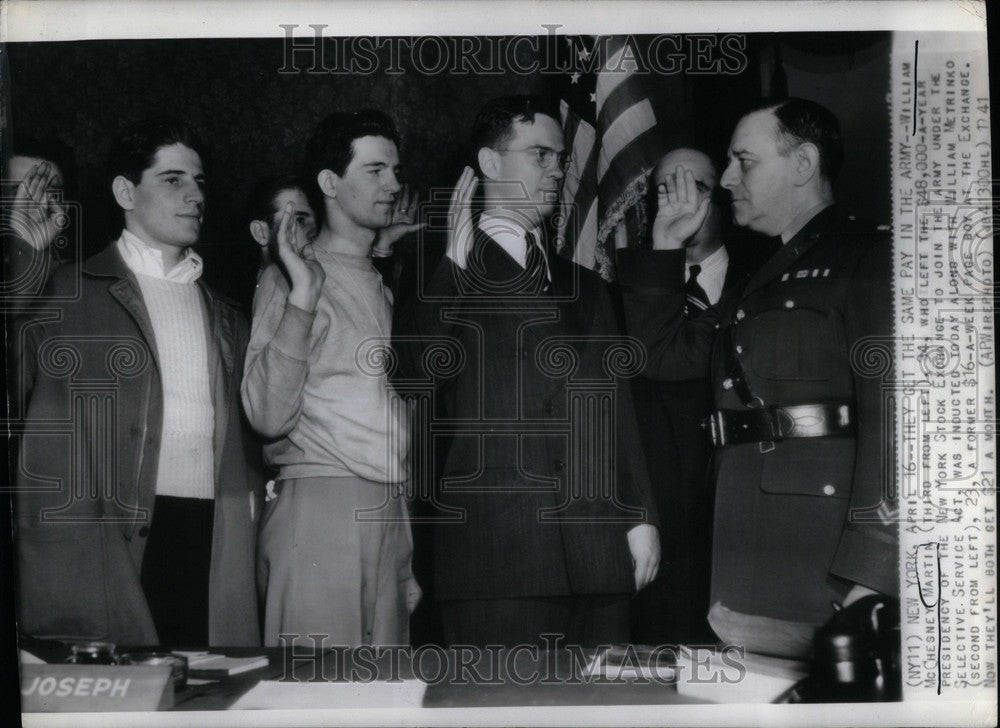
<point>149,538</point>
<point>36,179</point>
<point>802,515</point>
<point>535,533</point>
<point>673,609</point>
<point>335,544</point>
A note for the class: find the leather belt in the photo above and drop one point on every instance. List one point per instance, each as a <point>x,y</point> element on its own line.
<point>769,424</point>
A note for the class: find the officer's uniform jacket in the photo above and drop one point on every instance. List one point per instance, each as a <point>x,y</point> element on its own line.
<point>797,520</point>
<point>87,384</point>
<point>509,523</point>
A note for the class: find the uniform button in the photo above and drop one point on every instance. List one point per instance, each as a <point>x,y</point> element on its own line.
<point>558,465</point>
<point>727,383</point>
<point>829,489</point>
<point>144,531</point>
<point>740,315</point>
<point>789,303</point>
<point>739,349</point>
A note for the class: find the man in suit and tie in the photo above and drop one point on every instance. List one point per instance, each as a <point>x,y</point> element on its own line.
<point>542,526</point>
<point>802,516</point>
<point>673,609</point>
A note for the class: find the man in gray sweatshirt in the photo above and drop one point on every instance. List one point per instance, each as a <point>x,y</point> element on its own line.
<point>335,544</point>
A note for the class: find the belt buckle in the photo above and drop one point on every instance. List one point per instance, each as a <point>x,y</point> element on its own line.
<point>716,424</point>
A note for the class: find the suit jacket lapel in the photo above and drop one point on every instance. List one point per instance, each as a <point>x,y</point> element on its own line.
<point>499,267</point>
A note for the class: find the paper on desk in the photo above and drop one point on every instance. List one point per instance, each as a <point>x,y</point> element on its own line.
<point>28,658</point>
<point>762,679</point>
<point>273,694</point>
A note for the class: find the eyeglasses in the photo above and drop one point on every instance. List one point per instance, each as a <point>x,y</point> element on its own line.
<point>544,156</point>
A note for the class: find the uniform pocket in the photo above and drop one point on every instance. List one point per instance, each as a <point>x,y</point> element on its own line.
<point>820,467</point>
<point>794,344</point>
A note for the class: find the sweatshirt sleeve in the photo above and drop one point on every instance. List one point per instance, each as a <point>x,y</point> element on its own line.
<point>277,360</point>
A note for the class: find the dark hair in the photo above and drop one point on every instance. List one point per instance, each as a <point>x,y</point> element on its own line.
<point>801,121</point>
<point>493,126</point>
<point>50,149</point>
<point>260,205</point>
<point>135,148</point>
<point>332,147</point>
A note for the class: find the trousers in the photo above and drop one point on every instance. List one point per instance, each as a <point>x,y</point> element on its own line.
<point>334,560</point>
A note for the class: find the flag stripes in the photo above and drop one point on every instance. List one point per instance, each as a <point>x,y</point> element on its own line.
<point>607,175</point>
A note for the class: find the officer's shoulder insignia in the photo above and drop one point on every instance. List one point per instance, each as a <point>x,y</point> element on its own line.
<point>806,273</point>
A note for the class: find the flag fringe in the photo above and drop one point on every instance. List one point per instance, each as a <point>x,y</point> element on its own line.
<point>635,192</point>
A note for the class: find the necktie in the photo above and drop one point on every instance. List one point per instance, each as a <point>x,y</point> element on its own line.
<point>697,299</point>
<point>535,268</point>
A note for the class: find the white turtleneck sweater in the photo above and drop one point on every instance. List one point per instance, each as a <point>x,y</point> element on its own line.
<point>176,312</point>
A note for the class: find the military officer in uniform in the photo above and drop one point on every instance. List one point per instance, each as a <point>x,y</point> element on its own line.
<point>802,518</point>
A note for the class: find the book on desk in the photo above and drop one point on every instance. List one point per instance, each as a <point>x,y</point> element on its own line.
<point>208,666</point>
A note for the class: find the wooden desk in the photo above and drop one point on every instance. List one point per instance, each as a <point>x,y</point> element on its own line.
<point>512,679</point>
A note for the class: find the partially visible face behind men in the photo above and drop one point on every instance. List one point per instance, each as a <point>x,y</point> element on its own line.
<point>760,178</point>
<point>705,178</point>
<point>168,204</point>
<point>305,220</point>
<point>368,189</point>
<point>541,185</point>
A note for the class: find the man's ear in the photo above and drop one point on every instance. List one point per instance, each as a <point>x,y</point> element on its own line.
<point>260,232</point>
<point>124,191</point>
<point>806,156</point>
<point>489,162</point>
<point>327,180</point>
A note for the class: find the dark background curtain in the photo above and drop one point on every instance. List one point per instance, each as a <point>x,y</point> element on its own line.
<point>256,120</point>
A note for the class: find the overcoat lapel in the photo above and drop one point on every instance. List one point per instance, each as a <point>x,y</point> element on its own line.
<point>220,334</point>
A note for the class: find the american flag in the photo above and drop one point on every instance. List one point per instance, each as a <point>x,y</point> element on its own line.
<point>611,129</point>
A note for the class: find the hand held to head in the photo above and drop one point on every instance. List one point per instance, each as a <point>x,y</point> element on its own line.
<point>34,212</point>
<point>680,210</point>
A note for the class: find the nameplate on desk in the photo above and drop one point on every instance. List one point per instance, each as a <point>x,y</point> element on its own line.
<point>93,688</point>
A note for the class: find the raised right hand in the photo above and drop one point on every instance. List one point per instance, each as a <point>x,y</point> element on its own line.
<point>680,212</point>
<point>37,213</point>
<point>460,232</point>
<point>304,272</point>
